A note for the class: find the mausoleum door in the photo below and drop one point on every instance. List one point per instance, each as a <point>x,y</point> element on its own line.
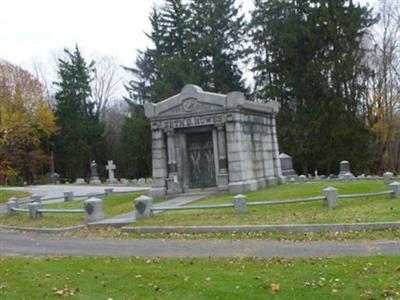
<point>200,155</point>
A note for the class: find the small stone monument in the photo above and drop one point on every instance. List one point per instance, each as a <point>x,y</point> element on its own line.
<point>287,166</point>
<point>110,168</point>
<point>80,180</point>
<point>302,178</point>
<point>94,178</point>
<point>344,169</point>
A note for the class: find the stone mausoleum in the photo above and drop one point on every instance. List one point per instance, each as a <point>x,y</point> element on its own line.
<point>205,141</point>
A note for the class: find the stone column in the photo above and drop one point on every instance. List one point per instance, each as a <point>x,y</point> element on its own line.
<point>159,156</point>
<point>171,152</point>
<point>222,159</point>
<point>173,185</point>
<point>275,150</point>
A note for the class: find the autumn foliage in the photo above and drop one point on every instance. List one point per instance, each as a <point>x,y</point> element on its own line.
<point>26,124</point>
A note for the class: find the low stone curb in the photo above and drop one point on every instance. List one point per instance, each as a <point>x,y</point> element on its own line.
<point>302,228</point>
<point>44,229</point>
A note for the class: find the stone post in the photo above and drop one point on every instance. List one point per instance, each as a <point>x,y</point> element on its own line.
<point>109,191</point>
<point>331,196</point>
<point>36,198</point>
<point>34,212</point>
<point>94,210</point>
<point>240,204</point>
<point>395,187</point>
<point>12,203</point>
<point>143,206</point>
<point>68,196</point>
<point>388,177</point>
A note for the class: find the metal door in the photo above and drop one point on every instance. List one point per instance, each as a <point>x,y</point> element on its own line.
<point>200,152</point>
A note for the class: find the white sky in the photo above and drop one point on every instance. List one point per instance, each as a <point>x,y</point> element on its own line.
<point>32,31</point>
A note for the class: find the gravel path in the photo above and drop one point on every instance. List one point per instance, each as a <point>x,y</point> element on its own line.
<point>12,244</point>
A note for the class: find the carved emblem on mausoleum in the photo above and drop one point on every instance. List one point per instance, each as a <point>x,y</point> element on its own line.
<point>190,105</point>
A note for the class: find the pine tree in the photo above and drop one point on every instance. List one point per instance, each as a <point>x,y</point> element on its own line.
<point>81,135</point>
<point>218,38</point>
<point>308,56</point>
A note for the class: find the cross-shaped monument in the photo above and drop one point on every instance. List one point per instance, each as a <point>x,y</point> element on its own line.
<point>110,168</point>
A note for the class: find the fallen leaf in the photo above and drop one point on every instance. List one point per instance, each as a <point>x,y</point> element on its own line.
<point>275,287</point>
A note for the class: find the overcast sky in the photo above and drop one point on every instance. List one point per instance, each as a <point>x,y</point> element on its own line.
<point>33,30</point>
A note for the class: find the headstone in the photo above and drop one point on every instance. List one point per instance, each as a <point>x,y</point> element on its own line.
<point>110,168</point>
<point>80,181</point>
<point>286,164</point>
<point>331,196</point>
<point>302,178</point>
<point>141,181</point>
<point>240,204</point>
<point>149,181</point>
<point>94,178</point>
<point>34,212</point>
<point>68,196</point>
<point>143,207</point>
<point>344,168</point>
<point>124,181</point>
<point>12,203</point>
<point>388,177</point>
<point>134,181</point>
<point>348,177</point>
<point>322,177</point>
<point>94,210</point>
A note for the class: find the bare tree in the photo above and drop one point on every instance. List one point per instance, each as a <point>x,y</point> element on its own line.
<point>383,94</point>
<point>106,83</point>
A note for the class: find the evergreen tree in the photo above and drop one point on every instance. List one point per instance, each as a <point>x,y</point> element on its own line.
<point>136,144</point>
<point>200,42</point>
<point>308,56</point>
<point>218,38</point>
<point>81,135</point>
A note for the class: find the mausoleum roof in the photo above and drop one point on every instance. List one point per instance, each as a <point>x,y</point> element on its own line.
<point>192,99</point>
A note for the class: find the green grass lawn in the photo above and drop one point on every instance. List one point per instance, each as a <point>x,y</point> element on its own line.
<point>114,205</point>
<point>375,277</point>
<point>374,209</point>
<point>6,194</point>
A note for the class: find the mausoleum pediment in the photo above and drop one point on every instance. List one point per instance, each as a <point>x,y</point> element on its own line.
<point>190,106</point>
<point>193,100</point>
